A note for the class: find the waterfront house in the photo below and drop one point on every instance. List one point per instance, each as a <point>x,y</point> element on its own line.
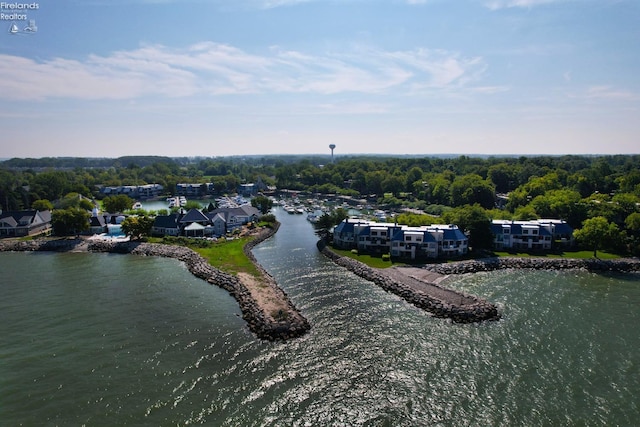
<point>454,242</point>
<point>251,189</point>
<point>401,241</point>
<point>409,243</point>
<point>197,224</point>
<point>147,191</point>
<point>194,190</point>
<point>24,223</point>
<point>194,223</point>
<point>538,235</point>
<point>344,234</point>
<point>97,225</point>
<point>166,225</point>
<point>375,238</point>
<point>219,224</point>
<point>236,216</point>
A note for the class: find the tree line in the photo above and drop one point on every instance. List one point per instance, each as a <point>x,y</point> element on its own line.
<point>462,189</point>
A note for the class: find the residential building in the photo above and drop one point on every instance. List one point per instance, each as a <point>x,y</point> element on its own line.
<point>195,190</point>
<point>147,191</point>
<point>251,189</point>
<point>24,223</point>
<point>535,235</point>
<point>195,223</point>
<point>236,216</point>
<point>166,225</point>
<point>401,241</point>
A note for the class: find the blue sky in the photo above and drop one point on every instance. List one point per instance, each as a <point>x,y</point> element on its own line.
<point>216,78</point>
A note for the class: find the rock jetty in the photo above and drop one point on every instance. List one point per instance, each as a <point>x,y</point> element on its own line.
<point>285,324</point>
<point>441,302</point>
<point>490,264</point>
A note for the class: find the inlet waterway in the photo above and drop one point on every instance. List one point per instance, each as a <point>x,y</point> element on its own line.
<point>104,339</point>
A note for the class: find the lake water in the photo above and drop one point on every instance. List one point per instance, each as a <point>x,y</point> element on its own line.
<point>104,340</point>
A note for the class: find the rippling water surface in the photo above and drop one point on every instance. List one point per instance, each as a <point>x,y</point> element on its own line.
<point>116,340</point>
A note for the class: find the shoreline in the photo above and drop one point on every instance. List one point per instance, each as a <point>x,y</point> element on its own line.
<point>421,286</point>
<point>256,307</point>
<point>623,265</point>
<point>439,301</point>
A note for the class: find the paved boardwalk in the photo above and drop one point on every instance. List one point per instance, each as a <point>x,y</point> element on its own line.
<point>424,281</point>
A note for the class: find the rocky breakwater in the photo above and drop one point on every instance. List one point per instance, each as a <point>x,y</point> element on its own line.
<point>266,308</point>
<point>58,245</point>
<point>490,264</point>
<point>441,302</point>
<point>285,323</point>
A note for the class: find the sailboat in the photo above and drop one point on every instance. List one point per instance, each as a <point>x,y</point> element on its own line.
<point>13,29</point>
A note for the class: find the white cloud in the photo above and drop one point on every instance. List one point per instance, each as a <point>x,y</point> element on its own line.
<point>502,4</point>
<point>210,68</point>
<point>609,92</point>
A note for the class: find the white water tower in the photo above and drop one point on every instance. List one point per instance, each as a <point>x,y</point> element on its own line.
<point>332,147</point>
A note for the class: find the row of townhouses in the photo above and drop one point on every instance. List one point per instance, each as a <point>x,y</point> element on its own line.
<point>533,235</point>
<point>148,191</point>
<point>196,190</point>
<point>447,241</point>
<point>151,191</point>
<point>401,241</point>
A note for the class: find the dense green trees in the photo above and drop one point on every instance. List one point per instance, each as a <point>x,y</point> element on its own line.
<point>327,221</point>
<point>69,221</point>
<point>137,226</point>
<point>597,232</point>
<point>262,203</point>
<point>118,203</point>
<point>575,188</point>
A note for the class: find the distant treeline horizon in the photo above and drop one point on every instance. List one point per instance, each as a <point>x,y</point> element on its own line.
<point>463,190</point>
<point>146,160</point>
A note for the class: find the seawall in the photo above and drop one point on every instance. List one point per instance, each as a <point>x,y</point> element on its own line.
<point>291,323</point>
<point>441,302</point>
<point>490,264</point>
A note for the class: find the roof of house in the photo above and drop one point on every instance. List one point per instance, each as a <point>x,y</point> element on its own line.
<point>454,234</point>
<point>217,217</point>
<point>244,210</point>
<point>166,221</point>
<point>426,235</point>
<point>14,218</point>
<point>97,221</point>
<point>194,215</point>
<point>194,226</point>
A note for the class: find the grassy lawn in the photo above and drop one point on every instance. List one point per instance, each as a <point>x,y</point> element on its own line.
<point>371,261</point>
<point>229,257</point>
<point>226,255</point>
<point>377,262</point>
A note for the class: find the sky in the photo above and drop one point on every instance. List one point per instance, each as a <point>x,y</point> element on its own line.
<point>109,78</point>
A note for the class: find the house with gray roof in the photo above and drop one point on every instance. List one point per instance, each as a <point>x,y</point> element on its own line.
<point>236,217</point>
<point>537,235</point>
<point>166,225</point>
<point>401,241</point>
<point>24,223</point>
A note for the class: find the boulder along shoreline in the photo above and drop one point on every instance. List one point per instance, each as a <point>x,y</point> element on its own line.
<point>439,301</point>
<point>626,265</point>
<point>288,323</point>
<point>461,307</point>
